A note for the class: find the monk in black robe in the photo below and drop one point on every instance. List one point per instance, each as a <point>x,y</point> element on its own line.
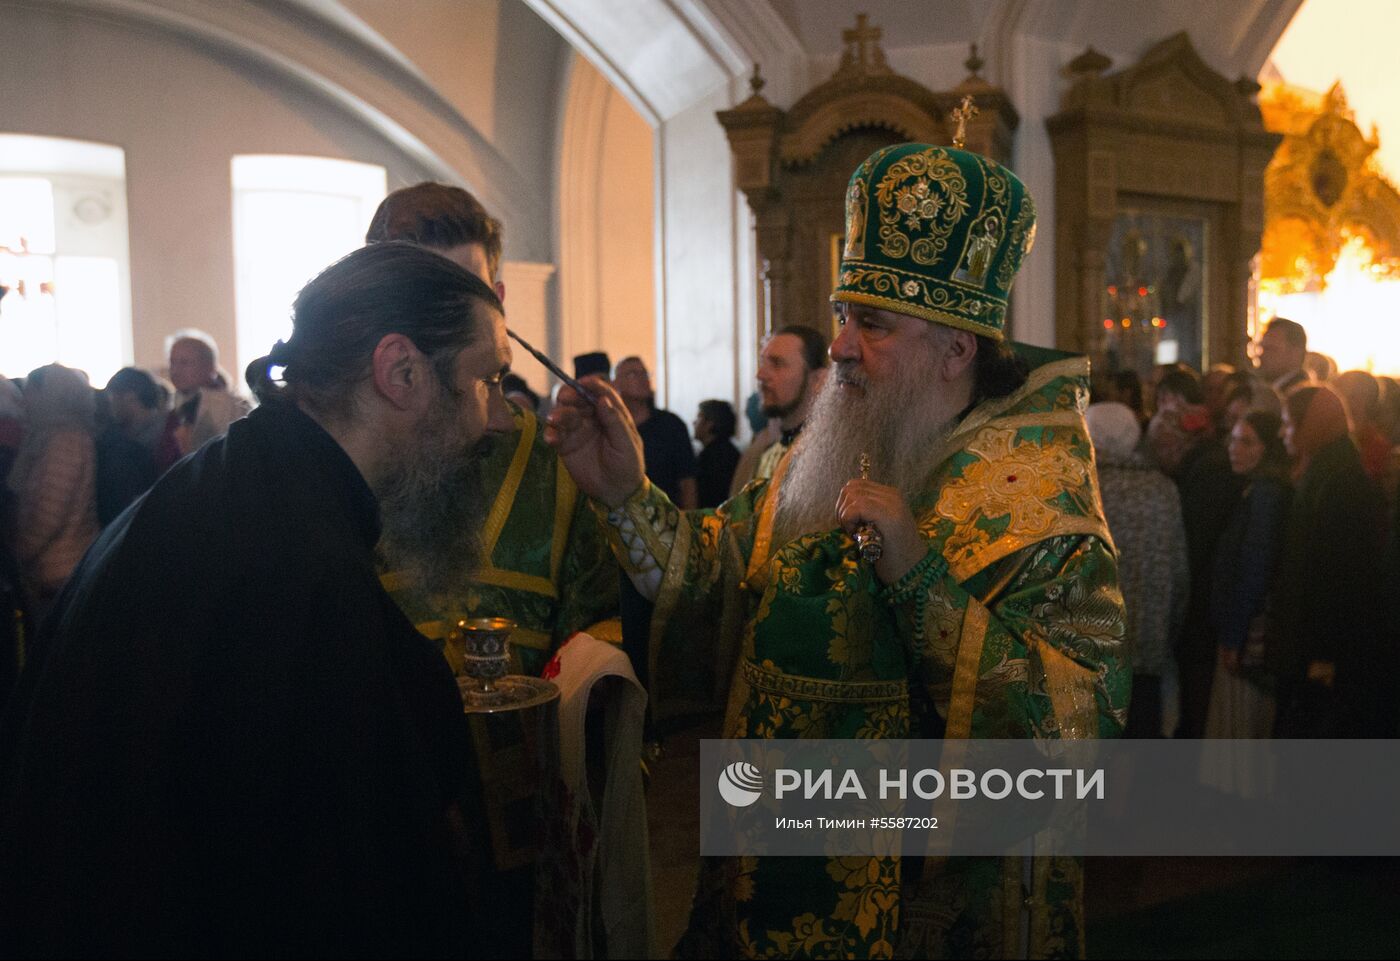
<point>229,741</point>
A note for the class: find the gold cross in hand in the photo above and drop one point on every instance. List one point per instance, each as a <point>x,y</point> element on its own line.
<point>868,540</point>
<point>962,113</point>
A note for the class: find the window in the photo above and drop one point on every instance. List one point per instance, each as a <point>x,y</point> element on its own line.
<point>292,217</point>
<point>63,256</point>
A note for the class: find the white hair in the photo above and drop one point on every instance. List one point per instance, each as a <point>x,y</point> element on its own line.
<point>898,424</point>
<point>203,338</point>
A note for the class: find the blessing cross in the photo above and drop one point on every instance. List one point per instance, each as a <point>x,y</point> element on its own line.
<point>862,37</point>
<point>964,112</point>
<point>869,541</point>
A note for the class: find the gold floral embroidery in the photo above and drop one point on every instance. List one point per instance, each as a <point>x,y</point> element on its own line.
<point>744,882</point>
<point>883,721</point>
<point>806,939</point>
<point>943,625</point>
<point>1088,622</point>
<point>917,203</point>
<point>1022,236</point>
<point>1018,482</point>
<point>914,290</point>
<point>926,191</point>
<point>871,898</point>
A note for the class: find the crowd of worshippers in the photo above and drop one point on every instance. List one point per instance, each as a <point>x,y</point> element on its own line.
<point>1255,515</point>
<point>73,457</point>
<point>236,728</point>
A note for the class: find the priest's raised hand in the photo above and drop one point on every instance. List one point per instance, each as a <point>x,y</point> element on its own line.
<point>598,444</point>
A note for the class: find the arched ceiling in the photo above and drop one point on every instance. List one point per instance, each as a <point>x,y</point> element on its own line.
<point>664,55</point>
<point>1233,36</point>
<point>320,45</point>
<point>667,54</point>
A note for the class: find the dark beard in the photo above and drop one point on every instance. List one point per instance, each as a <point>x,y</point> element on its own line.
<point>780,410</point>
<point>783,410</point>
<point>432,506</point>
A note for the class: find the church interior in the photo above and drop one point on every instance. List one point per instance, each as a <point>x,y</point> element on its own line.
<point>670,179</point>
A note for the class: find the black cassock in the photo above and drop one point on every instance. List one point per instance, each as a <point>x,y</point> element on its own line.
<point>229,741</point>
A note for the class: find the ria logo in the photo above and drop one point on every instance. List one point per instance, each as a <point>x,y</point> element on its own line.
<point>740,784</point>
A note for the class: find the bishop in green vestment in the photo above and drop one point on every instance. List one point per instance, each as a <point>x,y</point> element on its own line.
<point>994,610</point>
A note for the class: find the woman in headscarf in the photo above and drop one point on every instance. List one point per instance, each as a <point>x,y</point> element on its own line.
<point>54,480</point>
<point>1241,701</point>
<point>1144,516</point>
<point>1327,614</point>
<point>1182,440</point>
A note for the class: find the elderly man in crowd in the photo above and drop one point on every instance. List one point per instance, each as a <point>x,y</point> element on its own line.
<point>204,406</point>
<point>993,611</point>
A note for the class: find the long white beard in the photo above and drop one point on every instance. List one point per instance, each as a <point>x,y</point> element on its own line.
<point>898,425</point>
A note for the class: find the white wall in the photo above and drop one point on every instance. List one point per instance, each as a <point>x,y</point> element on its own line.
<point>498,65</point>
<point>606,223</point>
<point>180,112</point>
<point>182,108</point>
<point>701,292</point>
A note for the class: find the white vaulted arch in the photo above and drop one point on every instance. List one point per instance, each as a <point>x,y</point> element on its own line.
<point>299,43</point>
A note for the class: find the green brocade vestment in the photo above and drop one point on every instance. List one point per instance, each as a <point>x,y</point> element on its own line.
<point>548,565</point>
<point>1021,638</point>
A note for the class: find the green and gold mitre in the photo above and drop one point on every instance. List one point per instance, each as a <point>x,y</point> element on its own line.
<point>937,233</point>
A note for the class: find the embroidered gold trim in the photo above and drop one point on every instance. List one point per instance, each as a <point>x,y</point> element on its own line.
<point>505,498</point>
<point>967,672</point>
<point>1049,418</point>
<point>535,640</point>
<point>669,593</point>
<point>609,630</point>
<point>990,410</point>
<point>495,524</point>
<point>1071,689</point>
<point>432,630</point>
<point>821,689</point>
<point>516,581</point>
<point>620,551</point>
<point>635,507</point>
<point>923,313</point>
<point>565,493</point>
<point>1008,544</point>
<point>763,535</point>
<point>1004,579</point>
